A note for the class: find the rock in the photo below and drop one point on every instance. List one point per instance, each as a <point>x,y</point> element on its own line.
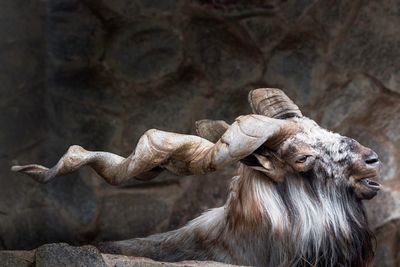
<point>23,118</point>
<point>21,21</point>
<point>22,75</point>
<point>222,53</point>
<point>49,223</point>
<point>25,108</point>
<point>360,91</point>
<point>22,69</point>
<point>325,22</point>
<point>388,244</point>
<point>292,70</point>
<point>135,213</point>
<point>17,258</point>
<point>294,10</point>
<point>64,255</point>
<point>371,43</point>
<point>385,207</point>
<point>58,212</point>
<point>384,218</point>
<point>131,9</point>
<point>60,255</point>
<point>174,107</point>
<point>228,107</point>
<point>384,115</point>
<point>145,51</point>
<point>267,32</point>
<point>20,144</point>
<point>238,9</point>
<point>71,97</point>
<point>75,36</point>
<point>125,261</point>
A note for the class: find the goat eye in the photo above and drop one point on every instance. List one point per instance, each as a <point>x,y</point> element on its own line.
<point>302,159</point>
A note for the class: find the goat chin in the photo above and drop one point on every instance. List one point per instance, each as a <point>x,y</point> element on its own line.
<point>293,223</point>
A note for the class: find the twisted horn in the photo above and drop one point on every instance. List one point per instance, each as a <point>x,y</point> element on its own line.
<point>178,153</point>
<point>273,103</point>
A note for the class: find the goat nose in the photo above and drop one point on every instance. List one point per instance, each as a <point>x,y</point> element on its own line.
<point>372,158</point>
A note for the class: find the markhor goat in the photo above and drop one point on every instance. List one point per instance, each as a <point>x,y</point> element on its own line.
<point>296,199</point>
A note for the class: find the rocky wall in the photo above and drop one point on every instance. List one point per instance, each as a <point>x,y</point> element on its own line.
<point>100,72</point>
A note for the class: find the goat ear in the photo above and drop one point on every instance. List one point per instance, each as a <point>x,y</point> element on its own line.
<point>210,129</point>
<point>270,166</point>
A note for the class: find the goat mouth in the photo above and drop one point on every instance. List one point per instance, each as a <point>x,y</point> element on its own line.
<point>366,188</point>
<point>371,184</point>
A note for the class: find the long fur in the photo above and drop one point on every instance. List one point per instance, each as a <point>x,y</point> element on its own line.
<point>303,221</point>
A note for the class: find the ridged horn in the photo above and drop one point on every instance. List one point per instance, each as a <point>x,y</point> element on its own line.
<point>274,103</point>
<point>211,130</point>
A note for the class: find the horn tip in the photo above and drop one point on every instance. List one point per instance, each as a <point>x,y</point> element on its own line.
<point>273,102</point>
<point>263,91</point>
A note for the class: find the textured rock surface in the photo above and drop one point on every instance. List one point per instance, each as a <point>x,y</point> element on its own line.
<point>64,255</point>
<point>124,261</point>
<point>17,258</point>
<point>100,73</point>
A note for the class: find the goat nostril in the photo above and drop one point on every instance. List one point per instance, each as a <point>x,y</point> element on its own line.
<point>372,160</point>
<point>372,183</point>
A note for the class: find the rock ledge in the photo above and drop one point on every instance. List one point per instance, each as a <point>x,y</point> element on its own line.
<point>64,255</point>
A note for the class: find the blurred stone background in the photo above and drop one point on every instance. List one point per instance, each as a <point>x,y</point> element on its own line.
<point>100,72</point>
